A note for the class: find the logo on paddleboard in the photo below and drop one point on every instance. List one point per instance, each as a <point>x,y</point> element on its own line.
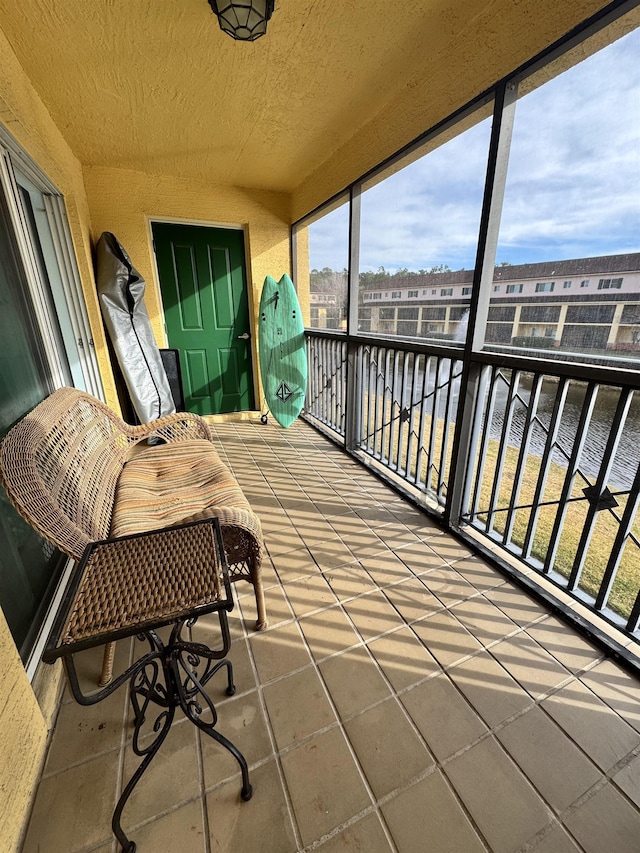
<point>284,393</point>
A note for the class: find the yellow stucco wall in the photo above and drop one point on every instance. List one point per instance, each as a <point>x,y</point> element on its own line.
<point>23,726</point>
<point>124,202</point>
<point>23,734</point>
<point>25,116</point>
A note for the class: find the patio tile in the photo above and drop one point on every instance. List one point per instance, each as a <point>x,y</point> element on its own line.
<point>372,614</point>
<point>310,593</point>
<point>330,554</point>
<point>297,707</point>
<point>348,523</point>
<point>564,643</point>
<point>484,620</point>
<point>182,829</point>
<point>445,637</point>
<point>82,732</point>
<point>450,549</point>
<point>556,841</point>
<point>505,807</point>
<point>533,667</point>
<point>376,516</point>
<point>540,765</point>
<point>412,599</point>
<point>603,735</point>
<point>560,771</point>
<point>349,581</point>
<point>479,574</point>
<point>448,585</point>
<point>294,565</point>
<point>606,821</point>
<point>73,809</point>
<point>390,752</point>
<point>278,609</point>
<point>612,684</point>
<point>365,835</point>
<point>429,810</point>
<point>263,823</point>
<point>386,568</point>
<point>328,632</point>
<point>324,784</point>
<point>419,557</point>
<point>171,778</point>
<point>403,658</point>
<point>396,535</point>
<point>364,544</point>
<point>278,651</point>
<point>283,539</point>
<point>489,688</point>
<point>517,605</point>
<point>629,780</point>
<point>445,720</point>
<point>353,680</point>
<point>242,721</point>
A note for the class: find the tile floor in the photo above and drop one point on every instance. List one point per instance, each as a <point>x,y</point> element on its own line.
<point>405,697</point>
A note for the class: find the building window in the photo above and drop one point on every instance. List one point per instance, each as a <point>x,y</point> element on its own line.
<point>412,294</point>
<point>446,291</point>
<point>433,292</point>
<point>566,285</point>
<point>377,296</point>
<point>496,288</point>
<point>514,288</point>
<point>607,283</point>
<point>367,296</point>
<point>424,292</point>
<point>466,291</point>
<point>584,283</point>
<point>396,294</point>
<point>544,286</point>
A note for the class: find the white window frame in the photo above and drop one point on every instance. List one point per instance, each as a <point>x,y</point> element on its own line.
<point>13,159</point>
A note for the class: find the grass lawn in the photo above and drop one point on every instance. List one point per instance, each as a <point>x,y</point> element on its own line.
<point>393,444</point>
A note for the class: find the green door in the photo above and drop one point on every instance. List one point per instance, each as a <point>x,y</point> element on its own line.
<point>204,290</point>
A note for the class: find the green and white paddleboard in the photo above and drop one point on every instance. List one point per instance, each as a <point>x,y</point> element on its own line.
<point>282,348</point>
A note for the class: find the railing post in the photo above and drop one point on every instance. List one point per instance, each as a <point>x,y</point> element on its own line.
<point>353,408</point>
<point>462,456</point>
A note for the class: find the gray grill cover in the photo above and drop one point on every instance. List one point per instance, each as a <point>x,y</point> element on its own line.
<point>121,291</point>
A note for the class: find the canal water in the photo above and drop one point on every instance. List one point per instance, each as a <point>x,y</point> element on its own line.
<point>627,455</point>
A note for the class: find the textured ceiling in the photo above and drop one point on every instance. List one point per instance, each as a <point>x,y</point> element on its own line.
<point>154,85</point>
<point>331,89</point>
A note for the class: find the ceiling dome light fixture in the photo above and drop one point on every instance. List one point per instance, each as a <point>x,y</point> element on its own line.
<point>244,20</point>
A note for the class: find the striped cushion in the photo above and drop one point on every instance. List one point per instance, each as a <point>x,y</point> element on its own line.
<point>175,483</point>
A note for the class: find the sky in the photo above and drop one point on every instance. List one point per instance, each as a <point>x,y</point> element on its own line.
<point>573,182</point>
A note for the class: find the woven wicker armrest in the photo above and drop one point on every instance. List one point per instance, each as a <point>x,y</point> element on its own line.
<point>128,585</point>
<point>181,426</point>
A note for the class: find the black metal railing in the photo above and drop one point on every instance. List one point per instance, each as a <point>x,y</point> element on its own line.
<point>555,480</point>
<point>548,468</point>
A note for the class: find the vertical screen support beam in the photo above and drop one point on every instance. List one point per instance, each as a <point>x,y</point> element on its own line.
<point>353,409</point>
<point>463,451</point>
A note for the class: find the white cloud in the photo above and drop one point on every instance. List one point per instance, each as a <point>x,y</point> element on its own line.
<point>573,186</point>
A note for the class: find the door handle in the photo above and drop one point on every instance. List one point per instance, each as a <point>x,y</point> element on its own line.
<point>244,337</point>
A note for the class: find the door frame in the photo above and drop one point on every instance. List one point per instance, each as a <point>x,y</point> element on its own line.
<point>253,307</point>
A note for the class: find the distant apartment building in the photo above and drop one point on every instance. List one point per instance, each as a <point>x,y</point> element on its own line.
<point>588,303</point>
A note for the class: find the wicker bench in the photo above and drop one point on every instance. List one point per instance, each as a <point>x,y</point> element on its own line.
<point>78,474</point>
